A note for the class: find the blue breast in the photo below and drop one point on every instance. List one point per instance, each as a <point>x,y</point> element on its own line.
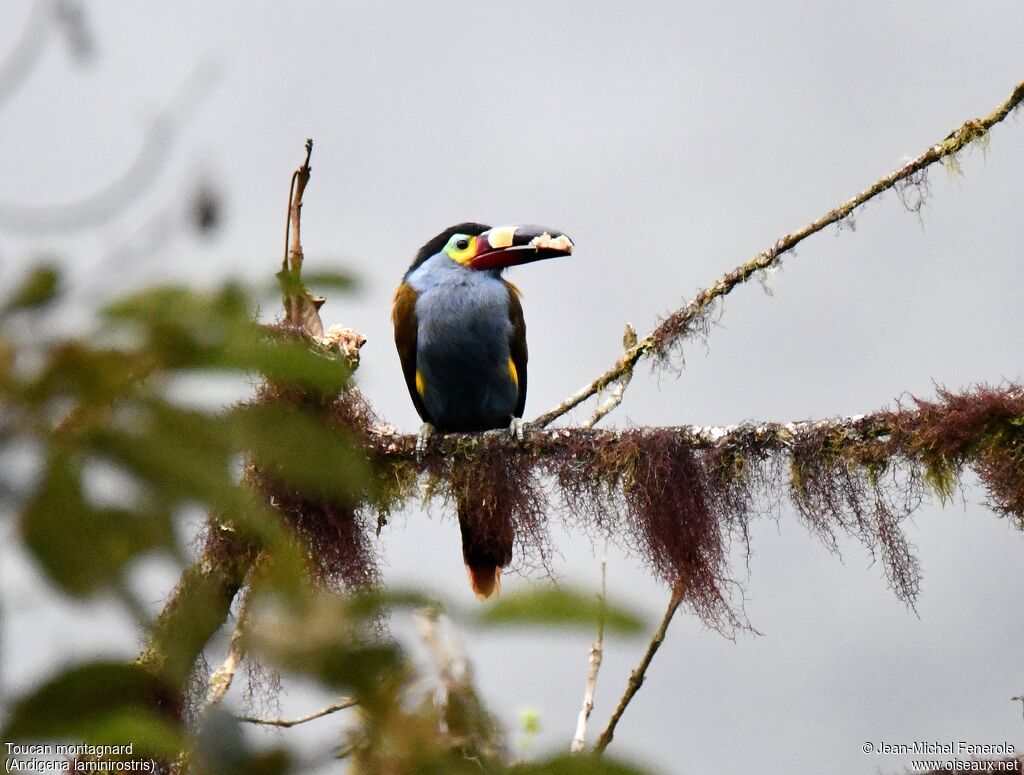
<point>462,347</point>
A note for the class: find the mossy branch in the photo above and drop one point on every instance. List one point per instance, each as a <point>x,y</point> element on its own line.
<point>674,328</point>
<point>678,496</point>
<point>769,436</point>
<point>195,610</point>
<point>201,602</point>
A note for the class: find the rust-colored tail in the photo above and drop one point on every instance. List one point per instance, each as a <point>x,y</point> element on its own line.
<point>485,580</point>
<point>487,536</point>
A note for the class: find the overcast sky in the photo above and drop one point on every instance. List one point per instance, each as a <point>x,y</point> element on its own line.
<point>672,141</point>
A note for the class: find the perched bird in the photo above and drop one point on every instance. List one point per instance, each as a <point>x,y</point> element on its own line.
<point>461,338</point>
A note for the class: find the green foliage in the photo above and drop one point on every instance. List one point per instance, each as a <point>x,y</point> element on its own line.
<point>101,703</point>
<point>296,447</point>
<point>40,287</point>
<point>584,764</point>
<point>185,330</point>
<point>105,399</point>
<point>554,607</point>
<point>84,548</point>
<point>337,645</point>
<point>100,413</point>
<point>329,281</point>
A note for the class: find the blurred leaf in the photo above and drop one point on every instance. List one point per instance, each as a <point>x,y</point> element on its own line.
<point>377,601</point>
<point>206,209</point>
<point>288,362</point>
<point>85,549</point>
<point>40,287</point>
<point>182,455</point>
<point>94,377</point>
<point>102,703</point>
<point>529,721</point>
<point>552,606</point>
<point>289,285</point>
<point>321,638</point>
<point>578,764</point>
<point>173,307</point>
<point>335,281</point>
<point>304,451</point>
<point>182,329</point>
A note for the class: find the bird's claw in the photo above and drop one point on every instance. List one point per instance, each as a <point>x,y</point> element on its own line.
<point>518,429</point>
<point>423,438</point>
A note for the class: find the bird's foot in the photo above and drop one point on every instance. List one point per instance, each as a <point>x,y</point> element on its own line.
<point>518,429</point>
<point>423,438</point>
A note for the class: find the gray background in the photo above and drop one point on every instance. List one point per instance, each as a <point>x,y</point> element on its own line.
<point>672,141</point>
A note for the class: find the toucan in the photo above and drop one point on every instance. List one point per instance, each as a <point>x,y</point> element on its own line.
<point>461,338</point>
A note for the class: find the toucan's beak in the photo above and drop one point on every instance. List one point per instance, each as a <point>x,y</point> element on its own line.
<point>505,246</point>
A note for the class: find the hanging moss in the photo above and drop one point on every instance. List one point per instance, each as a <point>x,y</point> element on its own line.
<point>336,531</point>
<point>679,497</point>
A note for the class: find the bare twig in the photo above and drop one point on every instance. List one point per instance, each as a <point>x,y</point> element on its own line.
<point>461,714</point>
<point>301,308</point>
<point>676,326</point>
<point>452,668</point>
<point>636,678</point>
<point>293,248</point>
<point>579,740</point>
<point>342,704</point>
<point>605,407</point>
<point>1019,699</point>
<point>220,680</point>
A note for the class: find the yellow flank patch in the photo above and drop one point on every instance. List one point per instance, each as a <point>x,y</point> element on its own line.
<point>421,385</point>
<point>513,371</point>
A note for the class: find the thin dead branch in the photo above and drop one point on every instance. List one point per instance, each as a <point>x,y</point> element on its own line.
<point>461,714</point>
<point>677,326</point>
<point>301,308</point>
<point>293,218</point>
<point>618,388</point>
<point>579,740</point>
<point>636,678</point>
<point>221,679</point>
<point>342,704</point>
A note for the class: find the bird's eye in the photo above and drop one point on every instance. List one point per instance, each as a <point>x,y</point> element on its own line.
<point>462,244</point>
